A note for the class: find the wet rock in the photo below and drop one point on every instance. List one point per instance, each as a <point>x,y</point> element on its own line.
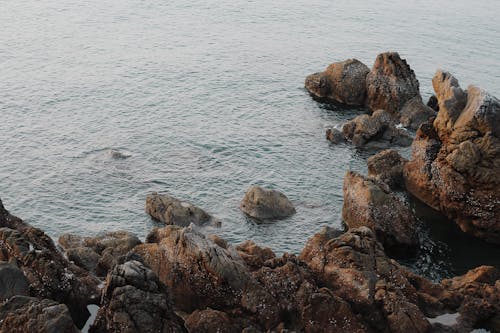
<point>263,204</point>
<point>355,268</point>
<point>170,210</point>
<point>414,113</point>
<point>335,136</point>
<point>12,281</point>
<point>343,82</point>
<point>455,163</point>
<point>387,167</point>
<point>118,155</point>
<point>134,300</point>
<point>22,314</point>
<point>378,130</point>
<point>49,274</point>
<point>433,103</point>
<point>391,83</point>
<point>367,203</point>
<point>100,253</point>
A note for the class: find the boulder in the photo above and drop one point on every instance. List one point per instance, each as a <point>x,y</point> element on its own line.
<point>12,281</point>
<point>170,210</point>
<point>387,167</point>
<point>335,136</point>
<point>355,268</point>
<point>343,82</point>
<point>367,203</point>
<point>414,113</point>
<point>378,130</point>
<point>263,204</point>
<point>134,300</point>
<point>455,163</point>
<point>100,253</point>
<point>390,84</point>
<point>22,314</point>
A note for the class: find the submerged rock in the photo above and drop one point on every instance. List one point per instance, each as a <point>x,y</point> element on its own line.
<point>100,253</point>
<point>263,204</point>
<point>391,83</point>
<point>455,163</point>
<point>387,167</point>
<point>134,300</point>
<point>343,82</point>
<point>367,203</point>
<point>170,210</point>
<point>378,129</point>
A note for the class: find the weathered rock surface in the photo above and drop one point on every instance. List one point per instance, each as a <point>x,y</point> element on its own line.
<point>50,275</point>
<point>208,321</point>
<point>355,268</point>
<point>12,281</point>
<point>21,314</point>
<point>170,210</point>
<point>335,136</point>
<point>455,164</point>
<point>390,84</point>
<point>367,203</point>
<point>100,253</point>
<point>134,300</point>
<point>343,82</point>
<point>387,167</point>
<point>378,130</point>
<point>414,113</point>
<point>433,103</point>
<point>263,204</point>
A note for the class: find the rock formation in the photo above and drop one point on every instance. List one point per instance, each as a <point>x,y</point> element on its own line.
<point>387,167</point>
<point>367,203</point>
<point>264,204</point>
<point>414,113</point>
<point>170,210</point>
<point>455,163</point>
<point>12,281</point>
<point>343,82</point>
<point>390,84</point>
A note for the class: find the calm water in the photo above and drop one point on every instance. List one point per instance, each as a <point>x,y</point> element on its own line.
<point>207,99</point>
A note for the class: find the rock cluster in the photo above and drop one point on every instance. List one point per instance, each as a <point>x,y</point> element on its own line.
<point>455,163</point>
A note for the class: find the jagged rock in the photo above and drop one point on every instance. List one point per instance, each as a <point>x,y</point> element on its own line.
<point>414,113</point>
<point>343,82</point>
<point>49,274</point>
<point>433,103</point>
<point>100,253</point>
<point>22,314</point>
<point>391,83</point>
<point>335,136</point>
<point>455,163</point>
<point>376,129</point>
<point>254,255</point>
<point>367,203</point>
<point>134,300</point>
<point>355,268</point>
<point>12,281</point>
<point>387,167</point>
<point>263,204</point>
<point>170,210</point>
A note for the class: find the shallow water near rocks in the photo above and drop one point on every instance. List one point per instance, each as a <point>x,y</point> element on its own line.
<point>203,99</point>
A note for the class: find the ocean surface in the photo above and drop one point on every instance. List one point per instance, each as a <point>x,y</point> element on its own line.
<point>204,99</point>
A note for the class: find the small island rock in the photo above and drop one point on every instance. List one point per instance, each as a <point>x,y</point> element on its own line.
<point>263,204</point>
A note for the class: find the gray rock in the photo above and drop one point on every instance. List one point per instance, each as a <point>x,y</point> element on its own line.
<point>262,203</point>
<point>415,113</point>
<point>170,210</point>
<point>343,82</point>
<point>12,281</point>
<point>335,136</point>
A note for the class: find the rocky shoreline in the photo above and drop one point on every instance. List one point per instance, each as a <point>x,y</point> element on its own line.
<point>183,280</point>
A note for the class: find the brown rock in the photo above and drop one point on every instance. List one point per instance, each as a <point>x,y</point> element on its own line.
<point>208,321</point>
<point>22,314</point>
<point>254,255</point>
<point>134,300</point>
<point>378,129</point>
<point>170,210</point>
<point>455,164</point>
<point>368,204</point>
<point>387,167</point>
<point>390,84</point>
<point>263,204</point>
<point>414,113</point>
<point>335,136</point>
<point>12,281</point>
<point>343,82</point>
